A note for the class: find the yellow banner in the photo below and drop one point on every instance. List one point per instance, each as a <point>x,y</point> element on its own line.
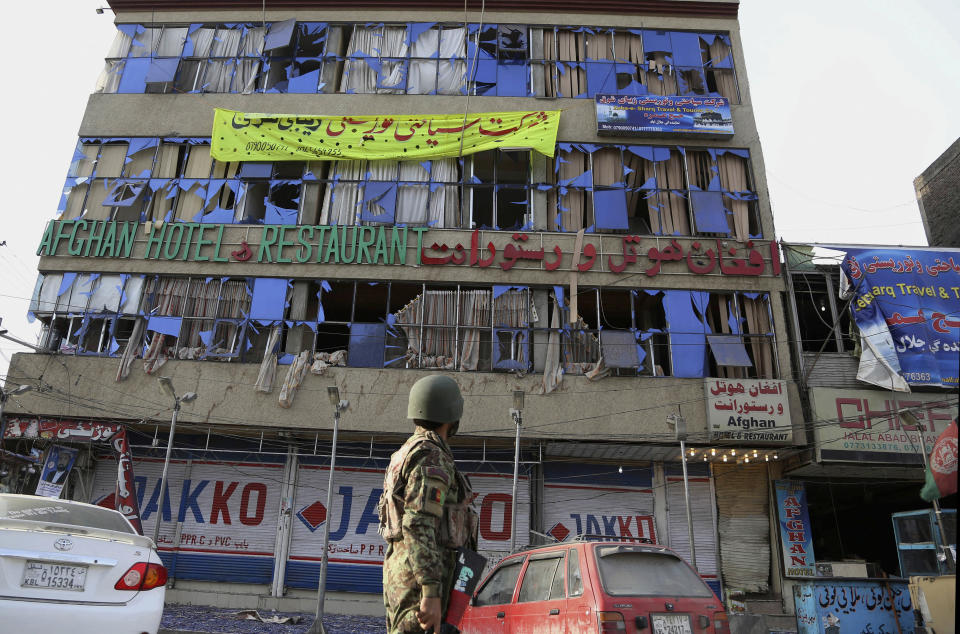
<point>241,136</point>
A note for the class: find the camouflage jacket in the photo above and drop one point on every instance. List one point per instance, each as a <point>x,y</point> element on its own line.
<point>426,505</point>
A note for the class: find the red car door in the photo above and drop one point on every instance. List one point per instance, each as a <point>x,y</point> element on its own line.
<point>540,607</point>
<point>487,612</point>
<point>580,615</point>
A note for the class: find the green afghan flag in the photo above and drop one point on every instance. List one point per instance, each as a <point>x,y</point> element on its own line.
<point>941,478</point>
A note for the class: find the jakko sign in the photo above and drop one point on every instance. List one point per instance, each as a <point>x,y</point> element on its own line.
<point>230,510</point>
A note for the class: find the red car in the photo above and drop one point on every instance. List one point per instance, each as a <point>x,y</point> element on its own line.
<point>606,586</point>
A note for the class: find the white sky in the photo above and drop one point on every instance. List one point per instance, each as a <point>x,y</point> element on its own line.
<point>853,99</point>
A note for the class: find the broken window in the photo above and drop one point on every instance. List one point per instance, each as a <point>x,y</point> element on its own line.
<point>85,313</point>
<point>610,188</point>
<point>740,335</point>
<point>497,190</point>
<point>599,331</point>
<point>824,324</point>
<point>649,189</point>
<point>498,56</point>
<point>427,193</point>
<point>416,58</point>
<point>467,328</point>
<point>425,58</point>
<point>626,328</point>
<point>584,61</point>
<point>306,61</point>
<point>195,318</point>
<point>685,63</point>
<point>721,193</point>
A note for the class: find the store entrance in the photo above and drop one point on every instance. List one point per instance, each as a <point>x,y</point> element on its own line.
<point>851,520</point>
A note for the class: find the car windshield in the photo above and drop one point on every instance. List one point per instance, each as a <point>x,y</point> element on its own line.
<point>631,571</point>
<point>42,509</point>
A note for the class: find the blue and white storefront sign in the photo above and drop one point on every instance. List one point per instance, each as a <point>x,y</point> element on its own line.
<point>639,114</point>
<point>796,536</point>
<point>907,304</point>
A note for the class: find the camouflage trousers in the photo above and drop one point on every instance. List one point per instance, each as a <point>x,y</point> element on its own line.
<point>401,592</point>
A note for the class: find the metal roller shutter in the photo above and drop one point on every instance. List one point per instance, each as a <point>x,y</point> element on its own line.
<point>356,548</point>
<point>704,526</point>
<point>744,526</point>
<point>597,499</point>
<point>225,524</point>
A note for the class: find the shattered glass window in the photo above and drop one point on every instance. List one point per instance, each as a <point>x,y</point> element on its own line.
<point>424,58</point>
<point>417,58</point>
<point>222,58</point>
<point>632,189</point>
<point>472,328</point>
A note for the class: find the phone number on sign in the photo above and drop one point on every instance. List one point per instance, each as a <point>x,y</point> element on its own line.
<point>876,446</point>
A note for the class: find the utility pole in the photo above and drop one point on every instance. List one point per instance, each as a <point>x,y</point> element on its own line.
<point>679,425</point>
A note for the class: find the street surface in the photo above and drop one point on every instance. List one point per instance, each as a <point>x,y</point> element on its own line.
<point>195,618</point>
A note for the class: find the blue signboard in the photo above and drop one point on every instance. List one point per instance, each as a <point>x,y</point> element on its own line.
<point>908,303</point>
<point>857,606</point>
<point>796,537</point>
<point>629,114</point>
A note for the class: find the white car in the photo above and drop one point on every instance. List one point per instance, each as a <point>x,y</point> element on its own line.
<point>77,568</point>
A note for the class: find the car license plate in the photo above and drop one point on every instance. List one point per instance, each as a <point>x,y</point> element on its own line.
<point>671,624</point>
<point>39,574</point>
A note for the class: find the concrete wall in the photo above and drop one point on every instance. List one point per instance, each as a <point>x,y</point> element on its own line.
<point>938,193</point>
<point>621,408</point>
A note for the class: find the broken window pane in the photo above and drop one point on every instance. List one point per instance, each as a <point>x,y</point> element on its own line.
<point>84,159</point>
<point>366,345</point>
<point>111,161</point>
<point>619,348</point>
<point>728,350</point>
<point>684,312</point>
<point>171,41</point>
<point>144,42</point>
<point>709,212</point>
<point>269,298</point>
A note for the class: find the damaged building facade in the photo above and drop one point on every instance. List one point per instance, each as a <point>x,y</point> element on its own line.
<point>877,355</point>
<point>623,274</point>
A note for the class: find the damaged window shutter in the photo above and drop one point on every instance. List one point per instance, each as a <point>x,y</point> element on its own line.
<point>728,350</point>
<point>161,70</point>
<point>269,298</point>
<point>279,35</point>
<point>709,212</point>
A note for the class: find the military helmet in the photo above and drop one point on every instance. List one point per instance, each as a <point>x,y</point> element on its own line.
<point>436,399</point>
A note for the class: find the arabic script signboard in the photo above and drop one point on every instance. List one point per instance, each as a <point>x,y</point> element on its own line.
<point>748,409</point>
<point>240,136</point>
<point>914,296</point>
<point>410,246</point>
<point>628,114</point>
<point>859,425</point>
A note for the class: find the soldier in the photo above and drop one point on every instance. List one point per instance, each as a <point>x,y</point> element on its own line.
<point>425,512</point>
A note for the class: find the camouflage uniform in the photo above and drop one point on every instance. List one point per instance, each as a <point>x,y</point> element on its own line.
<point>424,516</point>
